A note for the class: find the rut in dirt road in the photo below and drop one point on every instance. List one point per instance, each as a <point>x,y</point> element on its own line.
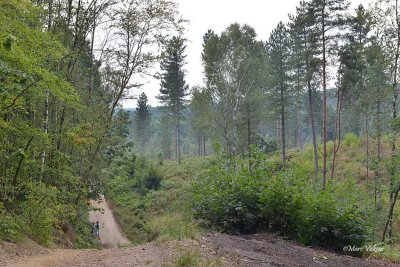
<point>110,235</point>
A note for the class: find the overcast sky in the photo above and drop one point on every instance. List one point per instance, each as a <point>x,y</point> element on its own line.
<point>262,15</point>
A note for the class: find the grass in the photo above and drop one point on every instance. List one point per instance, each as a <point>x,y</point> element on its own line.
<point>192,257</point>
<point>189,257</point>
<point>390,253</point>
<point>163,214</point>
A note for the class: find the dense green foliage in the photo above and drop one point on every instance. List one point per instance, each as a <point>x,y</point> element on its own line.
<point>40,186</point>
<point>279,200</point>
<point>60,118</point>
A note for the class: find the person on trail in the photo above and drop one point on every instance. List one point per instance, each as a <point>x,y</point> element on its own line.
<point>93,229</point>
<point>97,229</point>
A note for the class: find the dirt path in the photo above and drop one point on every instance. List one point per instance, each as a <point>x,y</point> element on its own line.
<point>146,255</point>
<point>110,235</point>
<point>225,250</point>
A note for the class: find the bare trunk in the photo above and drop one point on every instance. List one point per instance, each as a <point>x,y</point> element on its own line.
<point>311,106</point>
<point>283,137</point>
<point>338,131</point>
<point>178,142</point>
<point>299,143</point>
<point>324,133</point>
<point>199,141</point>
<point>91,78</point>
<point>367,144</point>
<point>314,135</point>
<point>377,191</point>
<point>278,135</point>
<point>204,144</point>
<point>45,127</point>
<point>249,138</point>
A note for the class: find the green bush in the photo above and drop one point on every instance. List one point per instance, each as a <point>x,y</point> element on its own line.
<point>280,206</point>
<point>282,201</point>
<point>351,140</point>
<point>38,212</point>
<point>227,201</point>
<point>327,222</point>
<point>10,227</point>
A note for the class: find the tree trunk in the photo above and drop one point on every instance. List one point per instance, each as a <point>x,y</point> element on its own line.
<point>299,143</point>
<point>91,73</point>
<point>45,127</point>
<point>178,142</point>
<point>377,191</point>
<point>324,135</point>
<point>367,144</point>
<point>314,134</point>
<point>199,143</point>
<point>338,131</point>
<point>249,138</point>
<point>283,137</point>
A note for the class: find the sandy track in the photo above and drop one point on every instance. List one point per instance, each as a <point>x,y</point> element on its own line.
<point>146,255</point>
<point>110,235</point>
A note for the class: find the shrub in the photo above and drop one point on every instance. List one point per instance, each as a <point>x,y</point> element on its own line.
<point>38,212</point>
<point>227,201</point>
<point>10,227</point>
<point>283,201</point>
<point>351,140</point>
<point>280,206</point>
<point>328,223</point>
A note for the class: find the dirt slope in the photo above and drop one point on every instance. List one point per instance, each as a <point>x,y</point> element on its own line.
<point>270,251</point>
<point>110,235</point>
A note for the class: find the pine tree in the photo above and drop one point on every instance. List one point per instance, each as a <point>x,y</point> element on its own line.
<point>173,86</point>
<point>141,120</point>
<point>278,71</point>
<point>329,18</point>
<point>305,64</point>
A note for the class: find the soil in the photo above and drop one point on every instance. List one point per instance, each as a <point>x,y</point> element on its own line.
<point>251,250</point>
<point>270,251</point>
<point>110,235</point>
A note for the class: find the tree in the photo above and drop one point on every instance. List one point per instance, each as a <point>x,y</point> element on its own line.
<point>387,25</point>
<point>174,89</point>
<point>233,66</point>
<point>141,120</point>
<point>329,18</point>
<point>137,27</point>
<point>201,108</point>
<point>305,62</point>
<point>352,93</point>
<point>278,51</point>
<point>377,91</point>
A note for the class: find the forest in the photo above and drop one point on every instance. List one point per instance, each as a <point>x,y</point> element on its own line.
<point>296,133</point>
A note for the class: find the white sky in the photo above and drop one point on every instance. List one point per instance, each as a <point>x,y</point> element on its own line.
<point>262,15</point>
